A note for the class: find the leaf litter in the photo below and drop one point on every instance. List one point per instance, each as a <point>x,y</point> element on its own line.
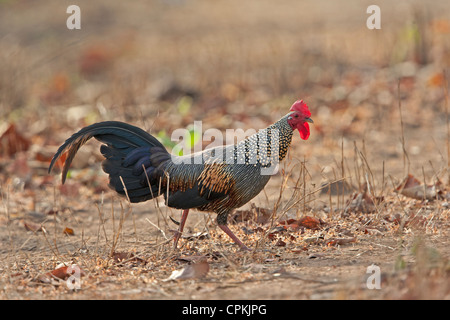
<point>198,269</point>
<point>341,233</point>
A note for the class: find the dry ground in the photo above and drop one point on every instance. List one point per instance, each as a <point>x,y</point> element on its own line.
<point>379,100</point>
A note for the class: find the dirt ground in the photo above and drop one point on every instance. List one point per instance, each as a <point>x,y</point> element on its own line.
<point>358,211</point>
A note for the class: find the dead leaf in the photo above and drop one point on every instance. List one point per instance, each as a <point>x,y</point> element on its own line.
<point>413,188</point>
<point>61,273</point>
<point>441,26</point>
<point>300,250</point>
<point>420,192</point>
<point>11,141</point>
<point>94,60</point>
<point>292,227</point>
<point>57,89</point>
<point>374,231</point>
<point>272,236</point>
<point>340,241</point>
<point>436,80</point>
<point>31,226</point>
<point>68,231</point>
<point>195,270</point>
<point>287,222</point>
<point>309,222</point>
<point>52,212</point>
<point>409,182</point>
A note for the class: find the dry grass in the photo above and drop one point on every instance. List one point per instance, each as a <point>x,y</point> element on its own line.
<point>380,105</point>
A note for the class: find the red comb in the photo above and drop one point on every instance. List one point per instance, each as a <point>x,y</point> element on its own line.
<point>300,106</point>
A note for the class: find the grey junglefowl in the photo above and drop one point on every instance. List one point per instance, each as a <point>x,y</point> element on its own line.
<point>219,179</point>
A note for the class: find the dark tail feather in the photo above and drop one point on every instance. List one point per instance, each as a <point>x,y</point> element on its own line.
<point>132,178</point>
<point>127,147</point>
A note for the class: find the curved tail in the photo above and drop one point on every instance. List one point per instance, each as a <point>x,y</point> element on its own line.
<point>133,157</point>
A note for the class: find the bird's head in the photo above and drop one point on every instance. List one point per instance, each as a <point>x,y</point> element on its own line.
<point>299,118</point>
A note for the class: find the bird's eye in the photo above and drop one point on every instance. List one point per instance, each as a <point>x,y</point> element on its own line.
<point>296,116</point>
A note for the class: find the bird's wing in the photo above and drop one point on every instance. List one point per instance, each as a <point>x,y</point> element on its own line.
<point>193,185</point>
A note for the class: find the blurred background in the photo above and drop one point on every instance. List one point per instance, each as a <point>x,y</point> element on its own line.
<point>161,65</point>
<point>379,100</point>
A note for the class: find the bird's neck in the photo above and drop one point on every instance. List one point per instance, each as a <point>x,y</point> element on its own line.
<point>267,147</point>
<point>284,136</point>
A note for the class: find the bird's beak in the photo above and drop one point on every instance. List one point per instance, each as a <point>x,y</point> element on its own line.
<point>309,120</point>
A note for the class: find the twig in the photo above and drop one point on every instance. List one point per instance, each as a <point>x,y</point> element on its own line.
<point>402,140</point>
<point>161,230</point>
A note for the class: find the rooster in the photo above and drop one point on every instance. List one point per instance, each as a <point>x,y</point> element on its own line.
<point>219,179</point>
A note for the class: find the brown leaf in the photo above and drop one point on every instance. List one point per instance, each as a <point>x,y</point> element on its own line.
<point>272,236</point>
<point>57,89</point>
<point>287,222</point>
<point>420,192</point>
<point>409,182</point>
<point>436,80</point>
<point>300,250</point>
<point>11,141</point>
<point>291,227</point>
<point>52,212</point>
<point>95,59</point>
<point>61,273</point>
<point>340,241</point>
<point>31,226</point>
<point>413,188</point>
<point>68,231</point>
<point>309,222</point>
<point>196,270</point>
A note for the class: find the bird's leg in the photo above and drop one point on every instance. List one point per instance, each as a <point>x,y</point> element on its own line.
<point>227,230</point>
<point>177,235</point>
